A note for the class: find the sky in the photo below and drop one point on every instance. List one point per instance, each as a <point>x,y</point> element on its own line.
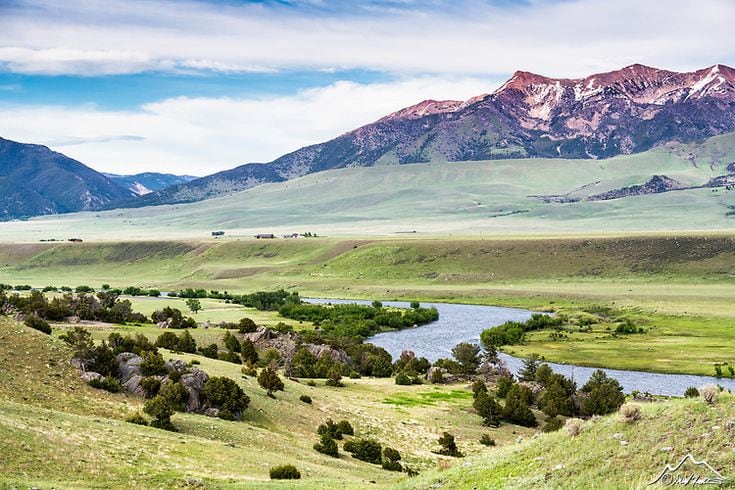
<point>195,87</point>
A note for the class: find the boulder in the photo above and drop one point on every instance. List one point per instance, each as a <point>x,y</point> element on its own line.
<point>320,351</point>
<point>193,382</point>
<point>165,323</point>
<point>132,385</point>
<point>175,365</point>
<point>129,366</point>
<point>211,412</point>
<point>92,376</point>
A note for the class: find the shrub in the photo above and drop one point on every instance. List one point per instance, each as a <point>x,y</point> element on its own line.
<point>305,399</point>
<point>505,383</point>
<point>331,429</point>
<point>225,394</point>
<point>468,356</point>
<point>246,325</point>
<point>158,408</point>
<point>327,445</point>
<point>366,450</point>
<point>285,472</point>
<point>80,341</point>
<point>437,377</point>
<point>528,371</point>
<point>210,351</point>
<point>573,427</point>
<point>605,395</point>
<point>478,387</point>
<point>187,343</point>
<point>168,340</point>
<point>691,392</point>
<point>231,342</point>
<point>630,413</point>
<point>334,378</point>
<point>709,393</point>
<point>487,408</point>
<point>248,353</point>
<point>486,440</point>
<point>229,356</point>
<point>448,446</point>
<point>108,384</point>
<point>104,361</point>
<point>403,379</point>
<point>150,385</point>
<point>391,460</point>
<point>136,418</point>
<point>345,428</point>
<point>268,379</point>
<point>557,397</point>
<point>175,394</point>
<point>270,356</point>
<point>553,424</point>
<point>152,364</point>
<point>517,407</point>
<point>38,323</point>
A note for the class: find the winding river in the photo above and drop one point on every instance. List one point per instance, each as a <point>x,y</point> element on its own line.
<point>464,323</point>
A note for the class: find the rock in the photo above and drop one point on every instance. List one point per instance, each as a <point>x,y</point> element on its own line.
<point>623,443</point>
<point>193,382</point>
<point>175,365</point>
<point>558,467</point>
<point>133,385</point>
<point>667,449</point>
<point>618,435</point>
<point>72,319</point>
<point>77,363</point>
<point>129,366</point>
<point>165,323</point>
<point>320,351</point>
<point>643,397</point>
<point>92,376</point>
<point>435,369</point>
<point>211,412</point>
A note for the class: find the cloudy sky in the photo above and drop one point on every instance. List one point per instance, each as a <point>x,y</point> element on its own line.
<point>200,86</point>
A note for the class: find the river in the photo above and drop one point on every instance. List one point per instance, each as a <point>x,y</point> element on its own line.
<point>464,323</point>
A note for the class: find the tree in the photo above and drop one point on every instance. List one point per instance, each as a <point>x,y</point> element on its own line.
<point>380,367</point>
<point>187,343</point>
<point>543,374</point>
<point>517,408</point>
<point>468,355</point>
<point>327,445</point>
<point>225,394</point>
<point>285,472</point>
<point>330,428</point>
<point>104,361</point>
<point>344,427</point>
<point>158,408</point>
<point>556,399</point>
<point>231,342</point>
<point>152,364</point>
<point>487,408</point>
<point>248,353</point>
<point>168,340</point>
<point>528,371</point>
<point>334,378</point>
<point>38,323</point>
<point>391,459</point>
<point>505,383</point>
<point>366,450</point>
<point>478,387</point>
<point>604,395</point>
<point>247,325</point>
<point>194,305</point>
<point>448,446</point>
<point>268,379</point>
<point>80,341</point>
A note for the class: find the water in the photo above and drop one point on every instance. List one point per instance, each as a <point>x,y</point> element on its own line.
<point>464,323</point>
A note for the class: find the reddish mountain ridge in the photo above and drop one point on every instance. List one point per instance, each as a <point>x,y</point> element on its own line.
<point>606,114</point>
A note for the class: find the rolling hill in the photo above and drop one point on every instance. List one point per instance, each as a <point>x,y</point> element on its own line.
<point>622,112</point>
<point>499,196</point>
<point>35,181</point>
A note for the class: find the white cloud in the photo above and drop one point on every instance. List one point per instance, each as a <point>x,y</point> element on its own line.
<point>203,135</point>
<point>565,38</point>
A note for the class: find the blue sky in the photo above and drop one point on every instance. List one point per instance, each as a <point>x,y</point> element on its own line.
<point>200,86</point>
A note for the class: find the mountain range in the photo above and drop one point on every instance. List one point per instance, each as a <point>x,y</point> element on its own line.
<point>621,112</point>
<point>599,116</point>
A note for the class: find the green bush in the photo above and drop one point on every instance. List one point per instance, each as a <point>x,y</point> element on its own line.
<point>331,429</point>
<point>366,450</point>
<point>334,379</point>
<point>150,385</point>
<point>604,395</point>
<point>152,364</point>
<point>553,424</point>
<point>449,446</point>
<point>487,408</point>
<point>108,384</point>
<point>305,399</point>
<point>161,411</point>
<point>486,440</point>
<point>505,383</point>
<point>38,323</point>
<point>327,445</point>
<point>269,380</point>
<point>136,418</point>
<point>168,340</point>
<point>345,428</point>
<point>391,459</point>
<point>229,356</point>
<point>175,394</point>
<point>478,386</point>
<point>691,392</point>
<point>517,408</point>
<point>285,472</point>
<point>248,353</point>
<point>247,325</point>
<point>225,394</point>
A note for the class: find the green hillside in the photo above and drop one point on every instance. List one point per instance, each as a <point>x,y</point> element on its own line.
<point>498,196</point>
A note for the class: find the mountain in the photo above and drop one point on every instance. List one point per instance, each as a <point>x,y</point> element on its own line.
<point>35,180</point>
<point>620,112</point>
<point>147,182</point>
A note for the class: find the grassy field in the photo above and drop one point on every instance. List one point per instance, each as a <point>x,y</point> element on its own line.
<point>498,197</point>
<point>55,431</point>
<point>597,458</point>
<point>680,288</point>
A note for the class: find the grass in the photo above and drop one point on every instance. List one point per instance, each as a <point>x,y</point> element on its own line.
<point>596,459</point>
<point>498,197</point>
<point>58,432</point>
<point>679,287</point>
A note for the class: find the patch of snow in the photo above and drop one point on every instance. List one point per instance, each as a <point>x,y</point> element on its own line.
<point>140,189</point>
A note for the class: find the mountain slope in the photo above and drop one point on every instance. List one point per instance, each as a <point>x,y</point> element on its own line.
<point>35,180</point>
<point>603,115</point>
<point>148,182</point>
